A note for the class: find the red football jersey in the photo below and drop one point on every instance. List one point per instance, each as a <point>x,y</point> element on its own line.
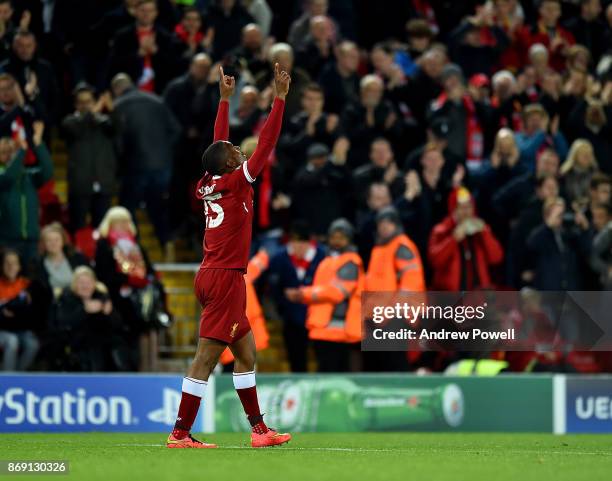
<point>228,199</point>
<point>228,207</point>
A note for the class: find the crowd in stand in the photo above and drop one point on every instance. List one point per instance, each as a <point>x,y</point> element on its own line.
<point>465,145</point>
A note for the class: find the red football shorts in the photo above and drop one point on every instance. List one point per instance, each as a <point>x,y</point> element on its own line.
<point>222,294</point>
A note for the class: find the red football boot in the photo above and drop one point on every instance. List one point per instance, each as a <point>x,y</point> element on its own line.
<point>263,437</point>
<point>187,442</point>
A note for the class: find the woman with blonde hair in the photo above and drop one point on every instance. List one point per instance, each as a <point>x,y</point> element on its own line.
<point>577,171</point>
<point>123,266</point>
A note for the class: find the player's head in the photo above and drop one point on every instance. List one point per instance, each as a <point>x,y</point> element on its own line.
<point>222,157</point>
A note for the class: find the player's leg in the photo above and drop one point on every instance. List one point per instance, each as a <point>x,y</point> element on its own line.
<point>194,388</point>
<point>244,382</point>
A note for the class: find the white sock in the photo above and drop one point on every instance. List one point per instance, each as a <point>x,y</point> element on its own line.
<point>244,380</point>
<point>195,387</point>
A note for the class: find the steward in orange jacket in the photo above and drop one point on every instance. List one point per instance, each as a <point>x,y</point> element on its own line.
<point>334,300</point>
<point>258,263</point>
<point>395,262</point>
<point>462,247</point>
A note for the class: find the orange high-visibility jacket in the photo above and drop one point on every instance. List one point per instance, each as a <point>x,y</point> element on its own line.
<point>334,312</point>
<point>258,263</point>
<point>396,266</point>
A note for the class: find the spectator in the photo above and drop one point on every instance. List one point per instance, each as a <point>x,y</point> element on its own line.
<point>538,135</point>
<point>16,116</point>
<point>591,119</point>
<point>466,117</point>
<point>282,53</point>
<point>550,33</point>
<point>145,51</point>
<point>17,339</point>
<point>378,197</point>
<point>123,266</point>
<point>19,205</point>
<point>502,168</point>
<point>588,29</point>
<point>372,117</point>
<point>513,196</point>
<point>530,217</point>
<point>601,214</point>
<point>420,35</point>
<point>383,58</point>
<point>92,160</point>
<point>556,247</point>
<point>477,43</point>
<point>506,100</point>
<point>381,168</point>
<point>85,326</point>
<point>300,28</point>
<point>462,248</point>
<point>339,79</point>
<point>149,131</point>
<point>334,312</point>
<point>292,267</point>
<point>189,32</point>
<point>54,267</point>
<point>600,189</point>
<point>34,75</point>
<point>311,125</point>
<point>252,50</point>
<point>577,171</point>
<point>249,115</point>
<point>317,48</point>
<point>424,200</point>
<point>261,12</point>
<point>601,256</point>
<point>226,19</point>
<point>319,191</point>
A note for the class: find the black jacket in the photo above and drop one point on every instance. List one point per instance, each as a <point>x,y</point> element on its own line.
<point>91,153</point>
<point>148,132</point>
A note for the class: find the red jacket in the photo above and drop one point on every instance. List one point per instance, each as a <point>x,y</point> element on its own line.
<point>445,256</point>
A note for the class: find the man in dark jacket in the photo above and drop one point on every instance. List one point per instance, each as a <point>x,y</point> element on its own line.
<point>292,267</point>
<point>227,20</point>
<point>558,248</point>
<point>310,126</point>
<point>92,161</point>
<point>19,206</point>
<point>339,80</point>
<point>146,52</point>
<point>149,131</point>
<point>34,75</point>
<point>319,189</point>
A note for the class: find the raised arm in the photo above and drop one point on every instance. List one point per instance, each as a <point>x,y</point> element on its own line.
<point>227,84</point>
<point>271,129</point>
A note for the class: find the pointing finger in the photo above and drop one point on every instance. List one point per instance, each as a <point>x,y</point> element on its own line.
<point>276,69</point>
<point>221,71</point>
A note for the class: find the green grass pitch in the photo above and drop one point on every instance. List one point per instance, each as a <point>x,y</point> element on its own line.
<point>323,456</point>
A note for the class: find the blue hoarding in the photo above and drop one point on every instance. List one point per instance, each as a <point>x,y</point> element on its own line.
<point>64,403</point>
<point>589,404</point>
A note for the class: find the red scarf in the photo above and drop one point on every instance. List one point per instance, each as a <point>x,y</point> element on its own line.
<point>474,140</point>
<point>301,264</point>
<point>146,82</point>
<point>128,257</point>
<point>184,35</point>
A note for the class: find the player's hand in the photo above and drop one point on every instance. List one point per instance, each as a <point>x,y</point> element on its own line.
<point>281,82</point>
<point>227,85</point>
<point>293,294</point>
<point>38,129</point>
